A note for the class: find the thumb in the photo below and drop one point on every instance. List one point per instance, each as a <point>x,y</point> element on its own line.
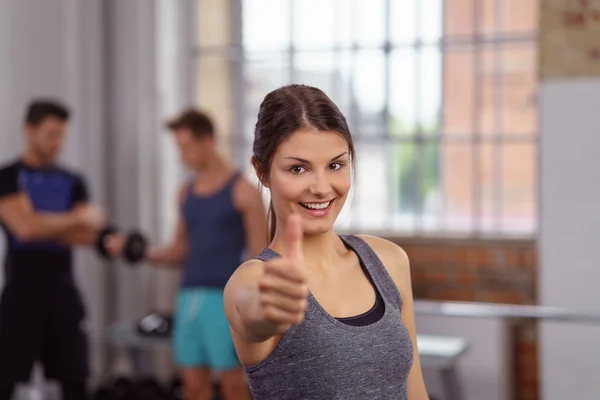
<point>294,237</point>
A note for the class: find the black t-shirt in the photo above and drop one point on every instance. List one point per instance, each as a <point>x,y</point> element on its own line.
<point>51,190</point>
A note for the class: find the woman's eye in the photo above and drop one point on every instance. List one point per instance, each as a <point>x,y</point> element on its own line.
<point>336,166</point>
<point>297,169</point>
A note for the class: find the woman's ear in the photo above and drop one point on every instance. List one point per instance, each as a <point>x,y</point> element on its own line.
<point>259,172</point>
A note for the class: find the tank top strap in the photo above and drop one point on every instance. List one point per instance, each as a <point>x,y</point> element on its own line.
<point>378,271</point>
<point>234,178</point>
<point>267,254</point>
<point>189,192</point>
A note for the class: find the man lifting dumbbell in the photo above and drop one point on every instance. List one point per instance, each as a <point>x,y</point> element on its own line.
<point>221,220</point>
<point>44,212</point>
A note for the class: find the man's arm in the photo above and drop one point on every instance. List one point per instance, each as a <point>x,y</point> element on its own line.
<point>248,202</point>
<point>19,216</point>
<point>173,254</point>
<point>80,235</point>
<point>17,213</point>
<point>80,200</point>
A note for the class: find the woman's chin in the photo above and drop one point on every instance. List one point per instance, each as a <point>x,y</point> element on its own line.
<point>317,227</point>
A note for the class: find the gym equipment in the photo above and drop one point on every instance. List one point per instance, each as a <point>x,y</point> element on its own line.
<point>150,389</point>
<point>124,388</point>
<point>176,389</point>
<point>155,325</point>
<point>135,247</point>
<point>104,393</point>
<point>101,242</point>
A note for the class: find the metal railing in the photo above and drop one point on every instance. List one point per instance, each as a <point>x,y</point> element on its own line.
<point>504,311</point>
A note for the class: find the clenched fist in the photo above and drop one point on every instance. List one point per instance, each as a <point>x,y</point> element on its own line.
<point>283,289</point>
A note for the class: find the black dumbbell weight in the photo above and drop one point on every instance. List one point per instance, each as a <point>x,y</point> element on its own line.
<point>135,247</point>
<point>102,241</point>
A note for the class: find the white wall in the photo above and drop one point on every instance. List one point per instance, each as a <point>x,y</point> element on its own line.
<point>569,235</point>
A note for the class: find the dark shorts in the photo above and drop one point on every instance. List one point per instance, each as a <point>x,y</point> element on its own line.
<point>46,325</point>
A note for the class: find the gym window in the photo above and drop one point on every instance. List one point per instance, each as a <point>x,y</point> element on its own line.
<point>444,90</point>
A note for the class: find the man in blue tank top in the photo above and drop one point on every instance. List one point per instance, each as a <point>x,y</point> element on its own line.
<point>222,220</point>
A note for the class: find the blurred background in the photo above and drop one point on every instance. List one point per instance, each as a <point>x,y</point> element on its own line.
<point>476,125</point>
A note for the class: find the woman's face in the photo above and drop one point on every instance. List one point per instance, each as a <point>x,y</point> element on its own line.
<point>311,176</point>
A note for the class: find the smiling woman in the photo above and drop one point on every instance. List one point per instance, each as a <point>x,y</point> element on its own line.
<point>318,315</point>
<point>295,152</point>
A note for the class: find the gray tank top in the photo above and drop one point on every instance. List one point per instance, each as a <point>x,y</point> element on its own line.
<point>325,359</point>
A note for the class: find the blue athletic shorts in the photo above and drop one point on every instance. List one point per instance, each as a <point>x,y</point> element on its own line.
<point>201,336</point>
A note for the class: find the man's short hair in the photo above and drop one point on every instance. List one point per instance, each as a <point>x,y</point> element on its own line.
<point>40,109</point>
<point>196,121</point>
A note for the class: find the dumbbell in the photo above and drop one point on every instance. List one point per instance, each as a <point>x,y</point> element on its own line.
<point>102,241</point>
<point>135,247</point>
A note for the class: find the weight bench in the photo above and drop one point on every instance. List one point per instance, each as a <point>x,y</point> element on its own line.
<point>441,354</point>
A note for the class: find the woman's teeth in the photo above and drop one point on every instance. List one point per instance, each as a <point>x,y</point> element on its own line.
<point>316,206</point>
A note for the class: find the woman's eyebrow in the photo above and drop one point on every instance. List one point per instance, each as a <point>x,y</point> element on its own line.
<point>302,160</point>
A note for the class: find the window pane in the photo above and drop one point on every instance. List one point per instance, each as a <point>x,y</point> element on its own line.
<point>344,23</point>
<point>341,85</point>
<point>430,24</point>
<point>404,28</point>
<point>519,187</point>
<point>415,90</point>
<point>416,184</point>
<point>370,208</point>
<point>369,92</point>
<point>261,77</point>
<point>405,186</point>
<point>486,163</point>
<point>459,17</point>
<point>521,15</point>
<point>429,188</point>
<point>313,24</point>
<point>459,86</point>
<point>487,17</point>
<point>369,29</point>
<point>260,30</point>
<point>316,69</point>
<point>213,22</point>
<point>430,89</point>
<point>457,186</point>
<point>403,89</point>
<point>519,87</point>
<point>487,99</point>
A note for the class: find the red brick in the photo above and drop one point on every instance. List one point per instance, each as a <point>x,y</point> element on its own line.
<point>418,276</point>
<point>528,258</point>
<point>436,276</point>
<point>487,257</point>
<point>466,277</point>
<point>511,257</point>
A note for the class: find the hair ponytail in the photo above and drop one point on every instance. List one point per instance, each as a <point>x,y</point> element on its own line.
<point>272,223</point>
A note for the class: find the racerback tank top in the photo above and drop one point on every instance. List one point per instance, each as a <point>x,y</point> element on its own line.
<point>216,235</point>
<point>324,358</point>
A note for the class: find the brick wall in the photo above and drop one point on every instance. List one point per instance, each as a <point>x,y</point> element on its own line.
<point>482,271</point>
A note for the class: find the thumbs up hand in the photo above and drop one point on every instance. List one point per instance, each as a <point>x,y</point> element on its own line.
<point>283,289</point>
